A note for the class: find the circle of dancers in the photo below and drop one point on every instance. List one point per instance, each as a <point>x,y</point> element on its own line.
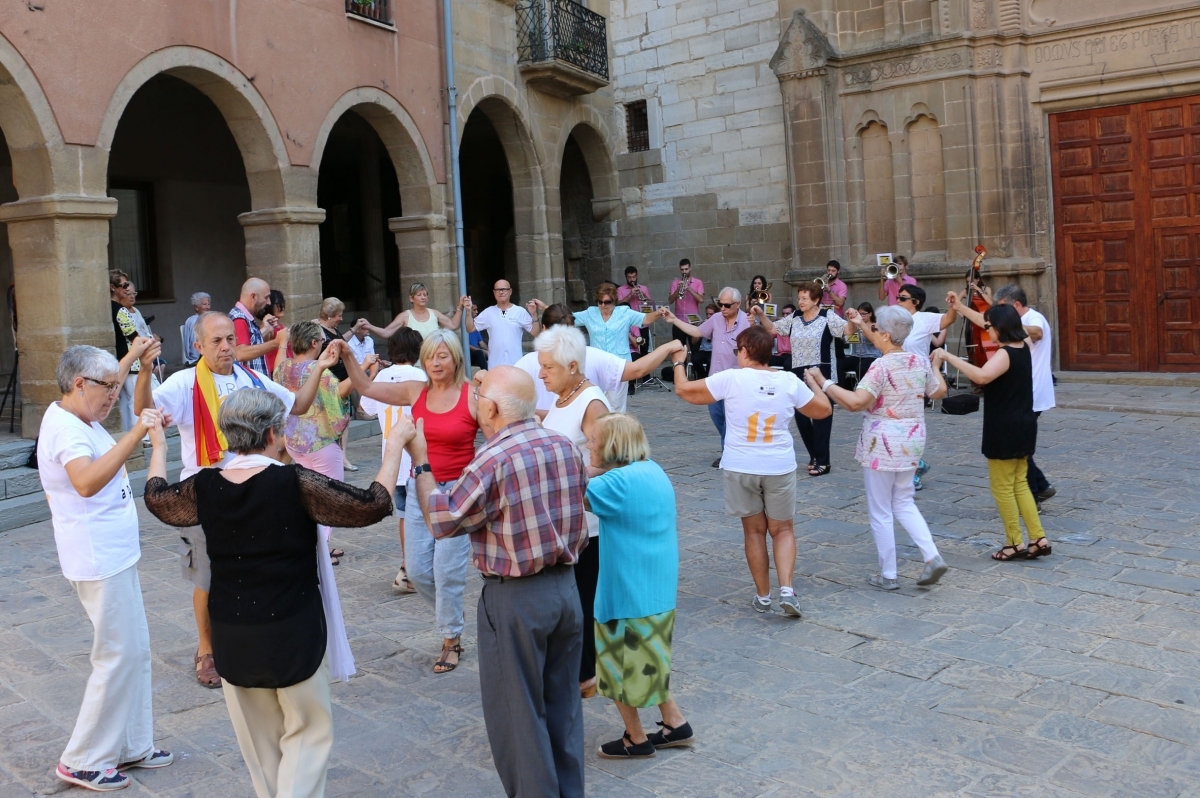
<point>568,520</point>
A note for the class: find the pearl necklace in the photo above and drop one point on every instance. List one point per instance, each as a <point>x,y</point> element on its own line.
<point>566,399</point>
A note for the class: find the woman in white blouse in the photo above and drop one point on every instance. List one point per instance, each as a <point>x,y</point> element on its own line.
<point>607,324</point>
<point>561,352</point>
<point>811,330</point>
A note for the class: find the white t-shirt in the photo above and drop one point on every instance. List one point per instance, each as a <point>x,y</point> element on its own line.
<point>604,369</point>
<point>389,414</point>
<point>361,348</point>
<point>97,537</point>
<point>758,405</point>
<point>175,398</point>
<point>506,330</point>
<point>925,326</point>
<point>1039,351</point>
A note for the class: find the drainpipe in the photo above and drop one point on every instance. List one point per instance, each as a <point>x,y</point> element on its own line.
<point>452,100</point>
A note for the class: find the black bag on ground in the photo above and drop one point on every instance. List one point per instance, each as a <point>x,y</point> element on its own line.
<point>960,404</point>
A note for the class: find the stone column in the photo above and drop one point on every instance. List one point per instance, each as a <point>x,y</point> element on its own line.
<point>60,266</point>
<point>283,248</point>
<point>427,256</point>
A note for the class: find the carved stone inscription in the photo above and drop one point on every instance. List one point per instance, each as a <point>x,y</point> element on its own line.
<point>1085,49</point>
<point>984,57</point>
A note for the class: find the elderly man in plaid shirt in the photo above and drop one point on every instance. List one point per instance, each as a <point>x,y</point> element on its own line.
<point>521,501</point>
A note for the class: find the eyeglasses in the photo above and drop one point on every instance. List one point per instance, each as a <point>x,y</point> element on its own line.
<point>605,302</point>
<point>728,305</point>
<point>479,395</point>
<point>111,387</point>
<point>501,290</point>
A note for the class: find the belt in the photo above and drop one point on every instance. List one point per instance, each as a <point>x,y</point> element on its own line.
<point>549,569</point>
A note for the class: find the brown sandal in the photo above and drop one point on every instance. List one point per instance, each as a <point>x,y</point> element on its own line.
<point>206,671</point>
<point>1010,553</point>
<point>443,664</point>
<point>1039,548</point>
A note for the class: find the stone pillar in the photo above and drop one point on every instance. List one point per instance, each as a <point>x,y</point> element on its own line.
<point>60,266</point>
<point>427,256</point>
<point>283,248</point>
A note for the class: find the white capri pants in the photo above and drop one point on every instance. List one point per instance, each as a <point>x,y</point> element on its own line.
<point>890,498</point>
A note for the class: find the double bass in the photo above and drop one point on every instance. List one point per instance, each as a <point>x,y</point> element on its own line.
<point>982,345</point>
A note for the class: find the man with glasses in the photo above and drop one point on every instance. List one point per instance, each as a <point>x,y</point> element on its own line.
<point>506,325</point>
<point>722,329</point>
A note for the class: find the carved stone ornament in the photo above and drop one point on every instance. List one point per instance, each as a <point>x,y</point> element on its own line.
<point>803,49</point>
<point>983,57</point>
<point>981,18</point>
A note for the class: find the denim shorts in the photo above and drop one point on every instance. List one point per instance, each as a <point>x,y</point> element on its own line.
<point>400,501</point>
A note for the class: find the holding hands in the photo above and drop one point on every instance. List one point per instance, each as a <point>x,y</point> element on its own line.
<point>332,354</point>
<point>148,349</point>
<point>152,422</point>
<point>854,317</point>
<point>814,378</point>
<point>667,315</point>
<point>535,306</point>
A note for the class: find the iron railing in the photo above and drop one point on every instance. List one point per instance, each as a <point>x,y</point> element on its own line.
<point>563,30</point>
<point>375,10</point>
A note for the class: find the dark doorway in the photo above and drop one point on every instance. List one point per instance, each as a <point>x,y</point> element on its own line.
<point>488,233</point>
<point>8,344</point>
<point>587,245</point>
<point>358,189</point>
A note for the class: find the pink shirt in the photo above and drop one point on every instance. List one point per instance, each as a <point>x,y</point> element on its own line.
<point>625,292</point>
<point>687,303</point>
<point>839,288</point>
<point>893,287</point>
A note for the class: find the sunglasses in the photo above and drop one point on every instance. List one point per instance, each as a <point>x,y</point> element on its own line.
<point>123,286</point>
<point>605,302</point>
<point>987,326</point>
<point>904,298</point>
<point>111,387</point>
<point>727,305</point>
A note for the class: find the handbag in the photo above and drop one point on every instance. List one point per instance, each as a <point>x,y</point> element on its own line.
<point>960,404</point>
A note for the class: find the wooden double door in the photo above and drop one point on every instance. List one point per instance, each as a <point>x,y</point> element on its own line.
<point>1127,227</point>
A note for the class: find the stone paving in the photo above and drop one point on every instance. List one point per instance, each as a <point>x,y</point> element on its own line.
<point>1070,675</point>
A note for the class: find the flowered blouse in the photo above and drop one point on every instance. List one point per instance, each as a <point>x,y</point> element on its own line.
<point>810,346</point>
<point>893,431</point>
<point>328,417</point>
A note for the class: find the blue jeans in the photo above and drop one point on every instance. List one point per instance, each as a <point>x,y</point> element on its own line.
<point>716,411</point>
<point>436,568</point>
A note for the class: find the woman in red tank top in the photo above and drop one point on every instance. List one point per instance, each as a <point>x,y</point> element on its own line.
<point>446,404</point>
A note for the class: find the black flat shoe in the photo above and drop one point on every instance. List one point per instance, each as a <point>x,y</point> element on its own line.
<point>625,749</point>
<point>668,737</point>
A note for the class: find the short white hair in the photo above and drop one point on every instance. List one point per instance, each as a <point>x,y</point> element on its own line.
<point>895,321</point>
<point>84,361</point>
<point>199,297</point>
<point>729,289</point>
<point>564,344</point>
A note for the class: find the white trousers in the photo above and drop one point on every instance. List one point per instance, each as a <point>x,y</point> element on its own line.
<point>116,720</point>
<point>890,498</point>
<point>285,735</point>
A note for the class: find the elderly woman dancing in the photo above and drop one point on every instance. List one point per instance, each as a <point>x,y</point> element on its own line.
<point>1009,429</point>
<point>448,405</point>
<point>892,397</point>
<point>639,574</point>
<point>276,622</point>
<point>759,460</point>
<point>82,470</point>
<point>608,326</point>
<point>561,352</point>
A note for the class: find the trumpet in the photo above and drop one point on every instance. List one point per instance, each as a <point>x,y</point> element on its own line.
<point>683,288</point>
<point>823,283</point>
<point>893,271</point>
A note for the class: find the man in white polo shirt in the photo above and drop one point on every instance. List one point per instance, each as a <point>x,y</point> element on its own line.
<point>506,325</point>
<point>1041,346</point>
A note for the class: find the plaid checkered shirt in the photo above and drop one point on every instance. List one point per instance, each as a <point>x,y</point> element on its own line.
<point>520,500</point>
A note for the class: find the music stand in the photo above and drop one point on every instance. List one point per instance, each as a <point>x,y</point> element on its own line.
<point>652,379</point>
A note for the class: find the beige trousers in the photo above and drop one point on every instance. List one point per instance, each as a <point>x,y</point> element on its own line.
<point>285,735</point>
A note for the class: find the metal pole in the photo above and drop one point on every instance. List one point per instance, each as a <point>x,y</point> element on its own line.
<point>452,167</point>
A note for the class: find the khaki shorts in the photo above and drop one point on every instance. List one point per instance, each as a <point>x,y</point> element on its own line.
<point>751,494</point>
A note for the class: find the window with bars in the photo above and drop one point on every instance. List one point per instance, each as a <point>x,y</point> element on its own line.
<point>637,126</point>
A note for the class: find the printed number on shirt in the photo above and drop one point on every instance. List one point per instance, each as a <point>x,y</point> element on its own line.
<point>752,431</point>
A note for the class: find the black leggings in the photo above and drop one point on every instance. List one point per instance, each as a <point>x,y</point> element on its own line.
<point>815,434</point>
<point>587,574</point>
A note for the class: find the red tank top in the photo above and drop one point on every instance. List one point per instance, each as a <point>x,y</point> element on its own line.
<point>450,436</point>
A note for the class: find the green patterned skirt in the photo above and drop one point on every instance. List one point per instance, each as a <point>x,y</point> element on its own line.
<point>633,659</point>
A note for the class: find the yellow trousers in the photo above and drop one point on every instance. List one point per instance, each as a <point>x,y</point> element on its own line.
<point>1014,499</point>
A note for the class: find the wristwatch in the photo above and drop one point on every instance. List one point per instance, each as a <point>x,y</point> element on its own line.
<point>422,469</point>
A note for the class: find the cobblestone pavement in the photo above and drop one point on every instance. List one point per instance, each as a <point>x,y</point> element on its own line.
<point>1070,675</point>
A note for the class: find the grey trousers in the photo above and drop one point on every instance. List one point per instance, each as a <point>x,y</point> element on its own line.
<point>530,641</point>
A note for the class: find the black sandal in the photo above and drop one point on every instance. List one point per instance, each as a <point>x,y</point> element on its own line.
<point>1010,553</point>
<point>1038,548</point>
<point>446,666</point>
<point>625,749</point>
<point>819,470</point>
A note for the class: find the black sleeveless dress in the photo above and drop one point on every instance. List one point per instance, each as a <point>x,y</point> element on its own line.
<point>1009,423</point>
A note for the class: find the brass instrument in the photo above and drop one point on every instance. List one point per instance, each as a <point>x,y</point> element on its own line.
<point>760,297</point>
<point>893,271</point>
<point>639,293</point>
<point>682,290</point>
<point>823,282</point>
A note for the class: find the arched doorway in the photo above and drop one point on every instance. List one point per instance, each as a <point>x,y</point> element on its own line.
<point>489,232</point>
<point>359,191</point>
<point>587,232</point>
<point>177,174</point>
<point>8,343</point>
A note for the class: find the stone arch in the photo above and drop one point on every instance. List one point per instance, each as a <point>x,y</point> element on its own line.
<point>508,114</point>
<point>868,117</point>
<point>594,139</point>
<point>35,142</point>
<point>916,112</point>
<point>264,153</point>
<point>401,138</point>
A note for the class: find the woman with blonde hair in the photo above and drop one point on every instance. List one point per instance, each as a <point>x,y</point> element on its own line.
<point>561,352</point>
<point>607,324</point>
<point>420,316</point>
<point>639,573</point>
<point>447,406</point>
<point>314,438</point>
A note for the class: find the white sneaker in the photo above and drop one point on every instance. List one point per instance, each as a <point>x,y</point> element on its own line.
<point>760,605</point>
<point>790,605</point>
<point>882,582</point>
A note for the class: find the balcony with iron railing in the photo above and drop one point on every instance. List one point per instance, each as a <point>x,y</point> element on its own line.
<point>377,11</point>
<point>562,47</point>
